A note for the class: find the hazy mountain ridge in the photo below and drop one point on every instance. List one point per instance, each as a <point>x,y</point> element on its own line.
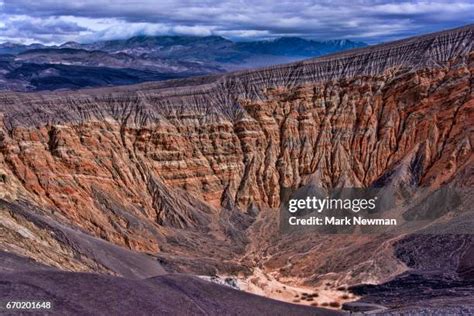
<point>145,58</point>
<point>216,47</point>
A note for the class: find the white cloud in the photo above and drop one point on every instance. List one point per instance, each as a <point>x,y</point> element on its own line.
<point>369,20</point>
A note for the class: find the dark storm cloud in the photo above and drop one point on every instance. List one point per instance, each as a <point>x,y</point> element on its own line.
<point>40,27</point>
<point>39,30</point>
<point>369,20</point>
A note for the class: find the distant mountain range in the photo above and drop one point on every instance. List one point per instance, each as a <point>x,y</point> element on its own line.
<point>146,58</point>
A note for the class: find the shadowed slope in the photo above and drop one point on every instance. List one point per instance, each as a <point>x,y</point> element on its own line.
<point>93,294</point>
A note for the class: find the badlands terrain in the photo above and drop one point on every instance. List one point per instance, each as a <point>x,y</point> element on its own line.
<point>175,183</point>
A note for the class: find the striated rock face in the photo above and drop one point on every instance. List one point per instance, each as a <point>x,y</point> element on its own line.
<point>179,168</point>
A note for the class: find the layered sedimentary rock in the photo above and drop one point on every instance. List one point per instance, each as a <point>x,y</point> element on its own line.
<point>181,168</point>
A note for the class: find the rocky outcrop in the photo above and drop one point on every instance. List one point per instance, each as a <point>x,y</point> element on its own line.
<point>180,168</point>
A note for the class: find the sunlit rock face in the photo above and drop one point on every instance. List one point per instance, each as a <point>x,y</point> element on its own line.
<point>181,168</point>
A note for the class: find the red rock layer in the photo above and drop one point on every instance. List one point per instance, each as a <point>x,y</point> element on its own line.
<point>134,166</point>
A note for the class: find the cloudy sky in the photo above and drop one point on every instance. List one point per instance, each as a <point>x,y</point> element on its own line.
<point>53,22</point>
